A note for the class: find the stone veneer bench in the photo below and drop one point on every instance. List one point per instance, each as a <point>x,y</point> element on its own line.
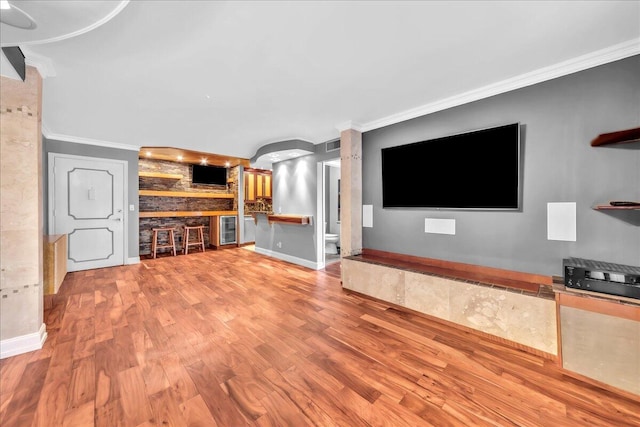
<point>591,336</point>
<point>518,308</point>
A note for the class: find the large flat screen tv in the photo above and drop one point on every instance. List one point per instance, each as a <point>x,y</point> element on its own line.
<point>473,170</point>
<point>209,175</point>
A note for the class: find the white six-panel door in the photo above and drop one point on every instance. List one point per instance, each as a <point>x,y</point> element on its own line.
<point>87,203</point>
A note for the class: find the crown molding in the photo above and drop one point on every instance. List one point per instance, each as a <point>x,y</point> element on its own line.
<point>590,60</point>
<point>349,125</point>
<point>43,64</point>
<point>87,141</point>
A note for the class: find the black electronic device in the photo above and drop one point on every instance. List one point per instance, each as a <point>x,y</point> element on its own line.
<point>209,175</point>
<point>478,170</point>
<point>603,277</point>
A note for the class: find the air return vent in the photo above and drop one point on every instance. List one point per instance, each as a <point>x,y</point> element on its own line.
<point>333,145</point>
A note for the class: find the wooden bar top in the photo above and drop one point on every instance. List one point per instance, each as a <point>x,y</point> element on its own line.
<point>171,214</point>
<point>201,195</point>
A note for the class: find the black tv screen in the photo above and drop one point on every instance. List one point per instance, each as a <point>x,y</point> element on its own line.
<point>473,170</point>
<point>210,175</point>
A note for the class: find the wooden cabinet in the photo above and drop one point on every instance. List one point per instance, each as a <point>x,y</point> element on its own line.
<point>600,337</point>
<point>267,186</point>
<point>249,187</point>
<point>257,184</point>
<point>55,262</point>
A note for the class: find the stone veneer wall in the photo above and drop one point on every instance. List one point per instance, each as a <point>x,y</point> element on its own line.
<point>177,223</point>
<point>509,314</point>
<point>157,204</point>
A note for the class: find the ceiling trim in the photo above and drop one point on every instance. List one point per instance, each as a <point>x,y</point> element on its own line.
<point>349,125</point>
<point>43,64</point>
<point>590,60</point>
<point>87,141</point>
<point>107,18</point>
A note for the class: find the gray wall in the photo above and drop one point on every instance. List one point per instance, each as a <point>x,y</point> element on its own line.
<point>130,156</point>
<point>560,119</point>
<point>294,192</point>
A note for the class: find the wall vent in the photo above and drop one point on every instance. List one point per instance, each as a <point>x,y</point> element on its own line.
<point>333,145</point>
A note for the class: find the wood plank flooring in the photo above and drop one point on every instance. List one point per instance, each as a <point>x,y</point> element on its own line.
<point>233,338</point>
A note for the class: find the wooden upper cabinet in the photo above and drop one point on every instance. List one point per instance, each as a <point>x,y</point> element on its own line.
<point>267,186</point>
<point>257,184</point>
<point>249,186</point>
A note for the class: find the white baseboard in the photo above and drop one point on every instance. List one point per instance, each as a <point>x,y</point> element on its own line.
<point>132,260</point>
<point>289,258</point>
<point>24,343</point>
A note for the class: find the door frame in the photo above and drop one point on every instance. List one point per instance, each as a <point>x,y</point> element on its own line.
<point>319,223</point>
<point>125,193</point>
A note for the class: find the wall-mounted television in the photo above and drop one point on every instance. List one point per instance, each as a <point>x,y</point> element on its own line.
<point>209,175</point>
<point>474,170</point>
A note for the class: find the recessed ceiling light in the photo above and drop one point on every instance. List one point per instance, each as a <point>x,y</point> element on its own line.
<point>148,153</point>
<point>179,158</point>
<point>203,161</point>
<point>294,154</point>
<point>227,164</point>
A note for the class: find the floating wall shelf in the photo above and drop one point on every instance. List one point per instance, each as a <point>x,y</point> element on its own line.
<point>619,137</point>
<point>608,207</point>
<point>290,219</point>
<point>159,175</point>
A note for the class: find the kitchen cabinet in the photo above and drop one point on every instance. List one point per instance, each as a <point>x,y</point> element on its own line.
<point>257,184</point>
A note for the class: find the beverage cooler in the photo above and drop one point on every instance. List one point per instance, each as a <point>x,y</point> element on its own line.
<point>228,230</point>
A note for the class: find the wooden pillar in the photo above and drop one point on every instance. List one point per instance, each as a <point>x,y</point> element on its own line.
<point>350,192</point>
<point>21,323</point>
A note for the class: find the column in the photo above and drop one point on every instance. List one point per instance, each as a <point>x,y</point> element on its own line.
<point>350,192</point>
<point>21,252</point>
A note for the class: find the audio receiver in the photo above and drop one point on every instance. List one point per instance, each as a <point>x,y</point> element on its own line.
<point>604,277</point>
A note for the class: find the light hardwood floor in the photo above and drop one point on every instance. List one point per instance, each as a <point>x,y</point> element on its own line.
<point>233,338</point>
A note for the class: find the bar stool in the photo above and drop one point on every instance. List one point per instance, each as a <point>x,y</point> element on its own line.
<point>170,244</point>
<point>198,241</point>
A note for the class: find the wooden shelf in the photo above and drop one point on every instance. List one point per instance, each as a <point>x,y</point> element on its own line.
<point>170,214</point>
<point>619,137</point>
<point>156,193</point>
<point>290,219</point>
<point>608,207</point>
<point>159,175</point>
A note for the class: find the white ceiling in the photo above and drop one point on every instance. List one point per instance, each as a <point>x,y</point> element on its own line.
<point>230,77</point>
